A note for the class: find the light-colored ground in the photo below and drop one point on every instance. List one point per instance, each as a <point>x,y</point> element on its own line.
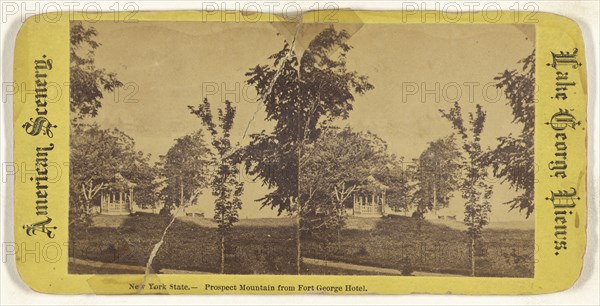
<point>204,222</point>
<point>366,223</point>
<point>105,265</point>
<point>363,268</point>
<point>258,222</point>
<point>517,225</point>
<point>282,221</point>
<point>311,261</point>
<point>125,268</point>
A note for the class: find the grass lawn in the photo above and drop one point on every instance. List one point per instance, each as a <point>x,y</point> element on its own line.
<point>264,249</point>
<point>267,246</point>
<point>428,247</point>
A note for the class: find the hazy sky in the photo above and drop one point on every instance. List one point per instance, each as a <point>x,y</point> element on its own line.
<point>167,66</point>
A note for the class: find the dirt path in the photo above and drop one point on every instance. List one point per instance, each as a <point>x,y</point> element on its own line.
<point>377,270</point>
<point>122,267</point>
<point>105,265</point>
<point>312,261</point>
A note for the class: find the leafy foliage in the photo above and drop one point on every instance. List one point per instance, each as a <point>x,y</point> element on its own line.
<point>98,156</point>
<point>301,95</point>
<point>144,175</point>
<point>476,191</point>
<point>397,176</point>
<point>185,168</point>
<point>513,158</point>
<point>331,169</point>
<point>225,182</point>
<point>437,175</point>
<point>87,82</point>
<point>90,144</point>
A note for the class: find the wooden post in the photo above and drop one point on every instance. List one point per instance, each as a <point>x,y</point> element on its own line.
<point>131,200</point>
<point>382,203</point>
<point>360,203</point>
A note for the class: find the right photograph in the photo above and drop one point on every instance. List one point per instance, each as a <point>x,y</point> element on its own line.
<point>431,170</point>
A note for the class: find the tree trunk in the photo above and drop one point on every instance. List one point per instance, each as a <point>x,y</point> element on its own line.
<point>298,244</point>
<point>88,195</point>
<point>87,206</point>
<point>86,199</point>
<point>180,192</point>
<point>435,208</point>
<point>472,256</point>
<point>222,254</point>
<point>340,218</point>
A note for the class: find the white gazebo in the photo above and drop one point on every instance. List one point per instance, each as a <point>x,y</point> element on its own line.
<point>118,197</point>
<point>370,200</point>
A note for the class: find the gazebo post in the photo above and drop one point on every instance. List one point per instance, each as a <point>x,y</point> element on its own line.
<point>383,202</point>
<point>130,200</point>
<point>353,202</point>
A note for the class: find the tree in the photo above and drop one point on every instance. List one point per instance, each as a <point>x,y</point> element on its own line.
<point>513,158</point>
<point>97,156</point>
<point>476,191</point>
<point>225,183</point>
<point>398,178</point>
<point>436,175</point>
<point>87,143</point>
<point>185,170</point>
<point>144,175</point>
<point>331,169</point>
<point>301,95</point>
<point>87,82</point>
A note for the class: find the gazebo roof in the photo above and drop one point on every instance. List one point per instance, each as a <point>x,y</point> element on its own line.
<point>120,183</point>
<point>374,184</point>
